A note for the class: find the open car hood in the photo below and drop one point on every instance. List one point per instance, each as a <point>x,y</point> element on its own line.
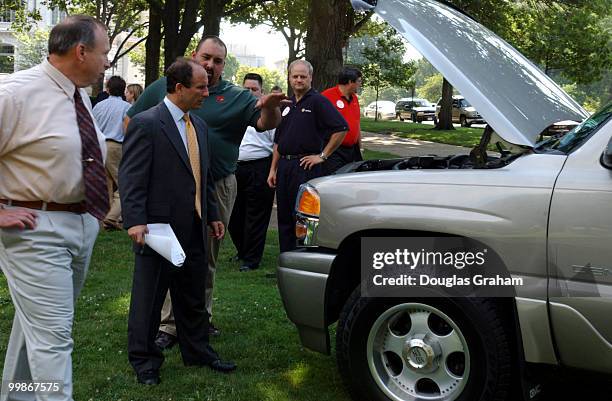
<point>512,94</point>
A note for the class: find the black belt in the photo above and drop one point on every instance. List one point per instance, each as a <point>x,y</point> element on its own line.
<point>298,156</point>
<point>245,162</point>
<point>114,140</point>
<point>78,208</point>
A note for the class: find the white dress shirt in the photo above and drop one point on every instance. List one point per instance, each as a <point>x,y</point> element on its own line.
<point>40,142</point>
<point>256,145</point>
<point>177,115</point>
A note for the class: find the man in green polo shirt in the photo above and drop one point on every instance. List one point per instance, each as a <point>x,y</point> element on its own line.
<point>228,111</point>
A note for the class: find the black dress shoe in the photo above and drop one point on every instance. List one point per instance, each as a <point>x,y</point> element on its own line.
<point>213,331</point>
<point>164,340</point>
<point>246,268</point>
<point>222,366</point>
<point>148,377</point>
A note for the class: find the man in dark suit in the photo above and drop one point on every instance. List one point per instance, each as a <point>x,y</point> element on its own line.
<point>164,178</point>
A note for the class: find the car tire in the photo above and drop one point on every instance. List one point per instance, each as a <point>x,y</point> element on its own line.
<point>435,121</point>
<point>414,118</point>
<point>463,122</point>
<point>399,117</point>
<point>365,329</point>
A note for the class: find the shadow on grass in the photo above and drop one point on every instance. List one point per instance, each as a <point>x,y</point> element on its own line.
<point>459,136</point>
<point>256,334</point>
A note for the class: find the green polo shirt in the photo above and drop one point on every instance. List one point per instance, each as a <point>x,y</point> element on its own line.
<point>228,111</point>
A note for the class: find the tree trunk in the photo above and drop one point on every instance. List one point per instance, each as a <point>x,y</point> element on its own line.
<point>153,46</point>
<point>376,104</point>
<point>445,117</point>
<point>293,55</point>
<point>330,22</point>
<point>213,12</point>
<point>172,19</point>
<point>178,29</point>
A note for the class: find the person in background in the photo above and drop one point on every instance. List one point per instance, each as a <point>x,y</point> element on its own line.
<point>344,98</point>
<point>310,131</point>
<point>250,217</point>
<point>133,92</point>
<point>109,115</point>
<point>53,192</point>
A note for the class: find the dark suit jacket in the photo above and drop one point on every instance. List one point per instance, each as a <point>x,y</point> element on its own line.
<point>155,178</point>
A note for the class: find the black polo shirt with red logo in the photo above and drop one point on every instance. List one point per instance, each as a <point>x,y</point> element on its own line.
<point>307,125</point>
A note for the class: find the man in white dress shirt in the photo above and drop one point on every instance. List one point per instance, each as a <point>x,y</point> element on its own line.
<point>253,206</point>
<point>109,114</point>
<point>53,192</point>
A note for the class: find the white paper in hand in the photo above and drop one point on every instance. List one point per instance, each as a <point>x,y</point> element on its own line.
<point>162,240</point>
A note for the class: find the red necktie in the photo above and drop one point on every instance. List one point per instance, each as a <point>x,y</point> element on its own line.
<point>94,176</point>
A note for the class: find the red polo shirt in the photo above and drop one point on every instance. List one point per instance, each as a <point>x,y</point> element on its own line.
<point>349,110</point>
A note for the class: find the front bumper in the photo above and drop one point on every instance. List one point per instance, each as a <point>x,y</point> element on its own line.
<point>302,281</point>
<point>425,116</point>
<point>475,120</point>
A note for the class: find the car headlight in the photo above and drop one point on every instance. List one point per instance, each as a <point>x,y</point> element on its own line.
<point>308,208</point>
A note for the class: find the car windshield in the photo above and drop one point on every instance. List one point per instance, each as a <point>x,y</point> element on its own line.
<point>420,103</point>
<point>465,103</point>
<point>579,134</point>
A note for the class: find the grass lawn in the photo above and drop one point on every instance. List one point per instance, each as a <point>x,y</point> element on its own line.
<point>375,154</point>
<point>256,334</point>
<point>459,136</point>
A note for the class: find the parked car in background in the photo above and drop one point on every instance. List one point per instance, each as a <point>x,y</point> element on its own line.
<point>385,110</point>
<point>415,109</point>
<point>543,210</point>
<point>463,112</point>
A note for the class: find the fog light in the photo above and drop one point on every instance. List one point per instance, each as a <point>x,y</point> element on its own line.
<point>301,230</point>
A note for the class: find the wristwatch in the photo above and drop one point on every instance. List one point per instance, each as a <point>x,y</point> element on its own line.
<point>322,156</point>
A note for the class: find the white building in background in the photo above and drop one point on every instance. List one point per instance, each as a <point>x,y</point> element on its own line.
<point>9,45</point>
<point>124,67</point>
<point>245,56</point>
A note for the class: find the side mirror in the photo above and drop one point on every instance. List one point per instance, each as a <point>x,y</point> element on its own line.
<point>606,156</point>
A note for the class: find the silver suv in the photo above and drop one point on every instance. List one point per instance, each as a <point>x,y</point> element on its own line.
<point>544,210</point>
<point>462,112</point>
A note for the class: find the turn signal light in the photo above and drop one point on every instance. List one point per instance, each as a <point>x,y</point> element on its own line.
<point>309,202</point>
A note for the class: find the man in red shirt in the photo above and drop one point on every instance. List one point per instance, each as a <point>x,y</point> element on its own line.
<point>344,98</point>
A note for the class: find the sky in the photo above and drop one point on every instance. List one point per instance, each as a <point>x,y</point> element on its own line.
<point>261,40</point>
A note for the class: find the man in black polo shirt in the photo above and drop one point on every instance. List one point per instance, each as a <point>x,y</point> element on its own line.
<point>310,131</point>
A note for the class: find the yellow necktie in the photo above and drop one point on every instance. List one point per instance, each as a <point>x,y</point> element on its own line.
<point>194,160</point>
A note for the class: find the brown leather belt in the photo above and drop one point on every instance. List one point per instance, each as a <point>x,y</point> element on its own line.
<point>78,208</point>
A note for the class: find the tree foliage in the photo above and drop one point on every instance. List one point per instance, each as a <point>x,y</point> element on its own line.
<point>32,48</point>
<point>567,39</point>
<point>178,22</point>
<point>383,65</point>
<point>431,88</point>
<point>231,68</point>
<point>122,18</point>
<point>270,77</point>
<point>288,17</point>
<point>23,17</point>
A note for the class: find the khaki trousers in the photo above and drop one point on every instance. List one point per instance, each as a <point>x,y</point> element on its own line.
<point>45,269</point>
<point>226,190</point>
<point>113,158</point>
